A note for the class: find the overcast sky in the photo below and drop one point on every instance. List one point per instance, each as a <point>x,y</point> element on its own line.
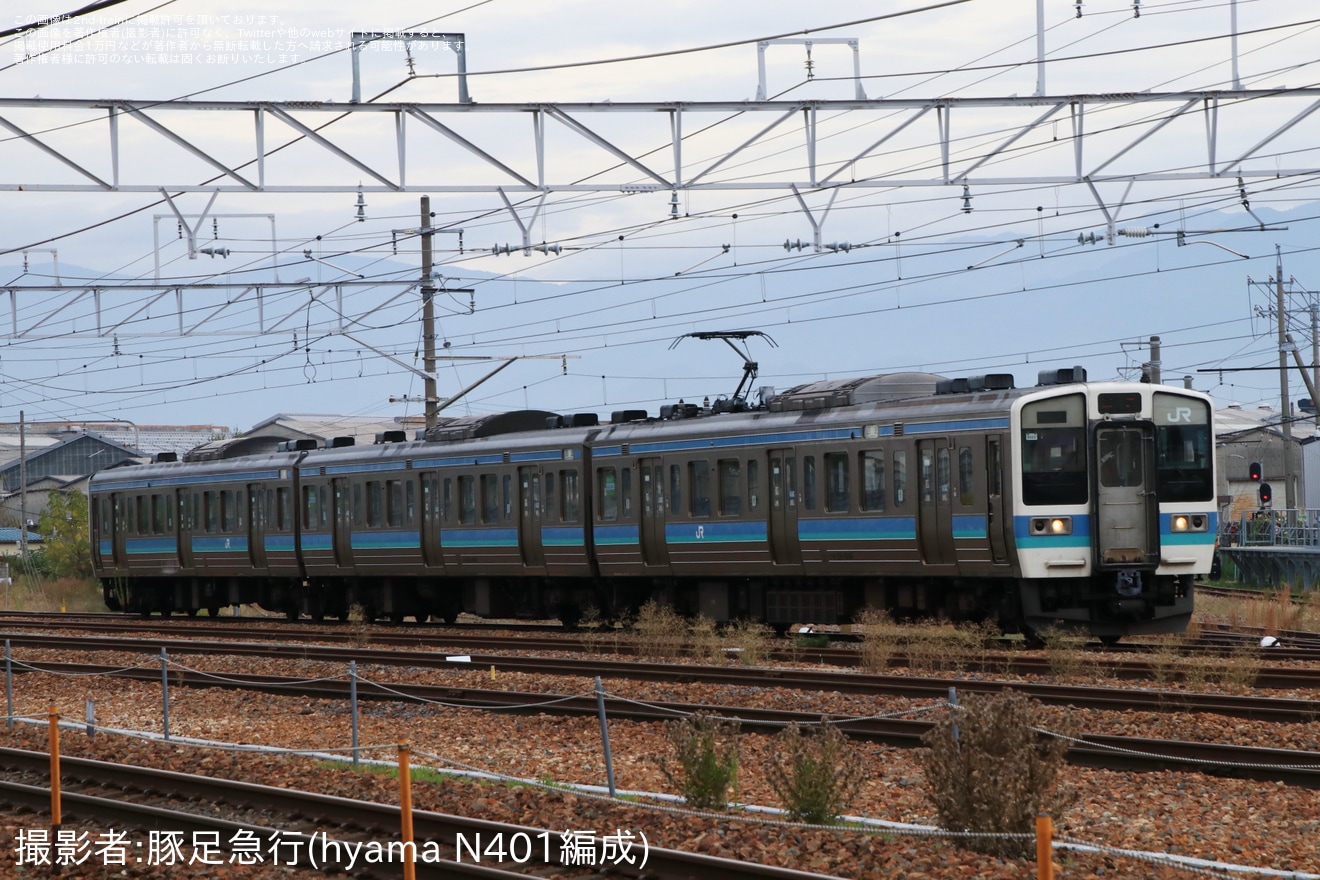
<point>903,296</point>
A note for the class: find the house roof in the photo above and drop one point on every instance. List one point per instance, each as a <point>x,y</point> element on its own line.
<point>11,536</point>
<point>324,427</point>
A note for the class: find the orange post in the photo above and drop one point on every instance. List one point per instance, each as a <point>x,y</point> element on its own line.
<point>54,767</point>
<point>1044,848</point>
<point>405,812</point>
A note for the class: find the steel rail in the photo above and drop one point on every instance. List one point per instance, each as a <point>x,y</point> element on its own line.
<point>1111,752</point>
<point>914,687</point>
<point>326,809</point>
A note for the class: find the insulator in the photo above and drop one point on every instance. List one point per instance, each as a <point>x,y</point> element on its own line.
<point>795,245</point>
<point>1136,231</point>
<point>837,246</point>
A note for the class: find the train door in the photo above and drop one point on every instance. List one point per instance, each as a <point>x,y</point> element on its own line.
<point>256,525</point>
<point>934,502</point>
<point>530,516</point>
<point>110,543</point>
<point>343,537</point>
<point>1126,527</point>
<point>655,549</point>
<point>785,548</point>
<point>183,523</point>
<point>997,521</point>
<point>431,551</point>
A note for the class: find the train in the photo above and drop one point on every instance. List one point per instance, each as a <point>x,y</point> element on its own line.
<point>1070,502</point>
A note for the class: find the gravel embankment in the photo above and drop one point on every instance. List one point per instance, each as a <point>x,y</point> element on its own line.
<point>1240,822</point>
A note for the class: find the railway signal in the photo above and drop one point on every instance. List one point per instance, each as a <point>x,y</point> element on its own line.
<point>1254,472</point>
<point>1266,494</point>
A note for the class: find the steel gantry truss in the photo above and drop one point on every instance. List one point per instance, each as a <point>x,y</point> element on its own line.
<point>638,147</point>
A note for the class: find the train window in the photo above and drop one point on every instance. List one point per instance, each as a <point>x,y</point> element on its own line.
<point>357,504</point>
<point>394,503</point>
<point>490,498</point>
<point>309,518</point>
<point>1184,451</point>
<point>448,508</point>
<point>927,476</point>
<point>836,482</point>
<point>325,505</point>
<point>375,503</point>
<point>730,488</point>
<point>675,489</point>
<point>570,497</point>
<point>238,508</point>
<point>808,482</point>
<point>966,476</point>
<point>873,480</point>
<point>753,484</point>
<point>228,514</point>
<point>467,499</point>
<point>608,501</point>
<point>1121,459</point>
<point>283,520</point>
<point>158,510</point>
<point>699,477</point>
<point>195,512</point>
<point>625,491</point>
<point>900,477</point>
<point>943,474</point>
<point>551,511</point>
<point>409,503</point>
<point>431,499</point>
<point>211,506</point>
<point>507,489</point>
<point>1054,467</point>
<point>143,515</point>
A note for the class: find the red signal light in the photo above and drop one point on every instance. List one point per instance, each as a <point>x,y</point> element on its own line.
<point>1266,494</point>
<point>1254,472</point>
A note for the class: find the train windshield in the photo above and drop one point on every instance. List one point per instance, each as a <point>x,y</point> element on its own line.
<point>1184,448</point>
<point>1054,451</point>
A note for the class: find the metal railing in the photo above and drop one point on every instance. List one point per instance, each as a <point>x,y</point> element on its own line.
<point>1272,528</point>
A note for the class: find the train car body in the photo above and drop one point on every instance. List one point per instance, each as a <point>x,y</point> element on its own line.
<point>1086,503</point>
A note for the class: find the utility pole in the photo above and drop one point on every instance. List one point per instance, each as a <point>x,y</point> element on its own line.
<point>1285,409</point>
<point>428,319</point>
<point>22,488</point>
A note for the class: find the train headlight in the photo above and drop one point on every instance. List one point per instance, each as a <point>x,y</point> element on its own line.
<point>1189,522</point>
<point>1051,525</point>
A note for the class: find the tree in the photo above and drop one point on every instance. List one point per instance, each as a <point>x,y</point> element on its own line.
<point>64,526</point>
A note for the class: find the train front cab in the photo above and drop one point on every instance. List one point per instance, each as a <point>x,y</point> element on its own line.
<point>1116,512</point>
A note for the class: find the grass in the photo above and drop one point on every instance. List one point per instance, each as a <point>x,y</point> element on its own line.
<point>1271,611</point>
<point>61,594</point>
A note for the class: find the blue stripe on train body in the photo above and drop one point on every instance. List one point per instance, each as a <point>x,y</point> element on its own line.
<point>220,544</point>
<point>1080,537</point>
<point>563,536</point>
<point>613,536</point>
<point>1169,536</point>
<point>385,540</point>
<point>480,538</point>
<point>715,532</point>
<point>877,528</point>
<point>142,546</point>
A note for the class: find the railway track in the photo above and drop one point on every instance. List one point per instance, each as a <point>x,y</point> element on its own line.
<point>329,829</point>
<point>1267,678</point>
<point>1294,647</point>
<point>1110,752</point>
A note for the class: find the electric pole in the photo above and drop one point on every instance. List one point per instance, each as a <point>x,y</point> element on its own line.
<point>428,319</point>
<point>1285,410</point>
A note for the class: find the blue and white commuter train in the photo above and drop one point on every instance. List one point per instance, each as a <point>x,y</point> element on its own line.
<point>1089,503</point>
